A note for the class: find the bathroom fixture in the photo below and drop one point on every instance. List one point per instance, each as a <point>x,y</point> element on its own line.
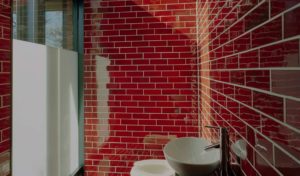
<point>239,148</point>
<point>188,157</point>
<point>152,167</point>
<point>224,150</point>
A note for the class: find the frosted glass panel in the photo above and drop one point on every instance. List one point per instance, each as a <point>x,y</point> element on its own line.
<point>45,110</point>
<point>29,109</point>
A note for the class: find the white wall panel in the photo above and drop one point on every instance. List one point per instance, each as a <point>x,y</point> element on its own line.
<point>45,110</point>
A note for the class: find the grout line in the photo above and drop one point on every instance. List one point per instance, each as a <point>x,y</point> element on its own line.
<point>282,27</point>
<point>259,59</point>
<point>251,41</point>
<point>260,112</point>
<point>261,124</point>
<point>238,58</point>
<point>255,143</point>
<point>273,153</point>
<point>255,130</point>
<point>270,81</point>
<point>284,110</point>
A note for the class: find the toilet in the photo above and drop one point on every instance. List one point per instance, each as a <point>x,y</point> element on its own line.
<point>152,167</point>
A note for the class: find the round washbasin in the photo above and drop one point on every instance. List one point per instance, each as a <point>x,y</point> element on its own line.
<point>188,157</point>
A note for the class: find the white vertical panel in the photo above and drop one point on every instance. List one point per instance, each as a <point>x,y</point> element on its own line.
<point>45,110</point>
<point>68,110</point>
<point>53,124</point>
<point>29,150</point>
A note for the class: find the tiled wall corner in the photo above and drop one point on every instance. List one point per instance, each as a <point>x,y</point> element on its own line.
<point>249,79</point>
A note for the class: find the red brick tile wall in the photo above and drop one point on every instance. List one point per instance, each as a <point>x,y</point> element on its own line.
<point>140,80</point>
<point>249,79</point>
<point>5,83</point>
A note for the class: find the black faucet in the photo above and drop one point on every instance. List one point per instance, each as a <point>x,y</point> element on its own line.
<point>224,150</point>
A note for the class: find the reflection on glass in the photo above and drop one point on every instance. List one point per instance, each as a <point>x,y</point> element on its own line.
<point>54,35</point>
<point>47,22</point>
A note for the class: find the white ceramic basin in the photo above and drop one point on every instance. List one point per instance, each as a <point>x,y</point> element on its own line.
<point>188,157</point>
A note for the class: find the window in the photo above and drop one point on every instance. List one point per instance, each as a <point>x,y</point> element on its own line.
<point>47,22</point>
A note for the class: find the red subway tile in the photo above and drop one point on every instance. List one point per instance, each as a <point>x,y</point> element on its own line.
<point>5,122</point>
<point>257,16</point>
<point>268,104</point>
<point>232,62</point>
<point>281,55</point>
<point>248,168</point>
<point>264,167</point>
<point>242,43</point>
<point>291,27</point>
<point>228,49</point>
<point>249,59</point>
<point>286,82</point>
<point>285,164</point>
<point>278,6</point>
<point>237,77</point>
<point>285,137</point>
<point>250,116</point>
<point>245,6</point>
<point>116,3</point>
<point>243,95</point>
<point>237,29</point>
<point>258,79</point>
<point>292,113</point>
<point>268,33</point>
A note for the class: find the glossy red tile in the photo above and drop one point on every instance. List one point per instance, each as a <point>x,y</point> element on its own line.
<point>257,16</point>
<point>290,21</point>
<point>292,113</point>
<point>268,33</point>
<point>285,164</point>
<point>264,167</point>
<point>246,6</point>
<point>237,29</point>
<point>278,6</point>
<point>228,90</point>
<point>233,107</point>
<point>248,168</point>
<point>232,62</point>
<point>237,77</point>
<point>249,59</point>
<point>281,55</point>
<point>258,79</point>
<point>268,104</point>
<point>250,116</point>
<point>242,43</point>
<point>286,82</point>
<point>243,95</point>
<point>282,135</point>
